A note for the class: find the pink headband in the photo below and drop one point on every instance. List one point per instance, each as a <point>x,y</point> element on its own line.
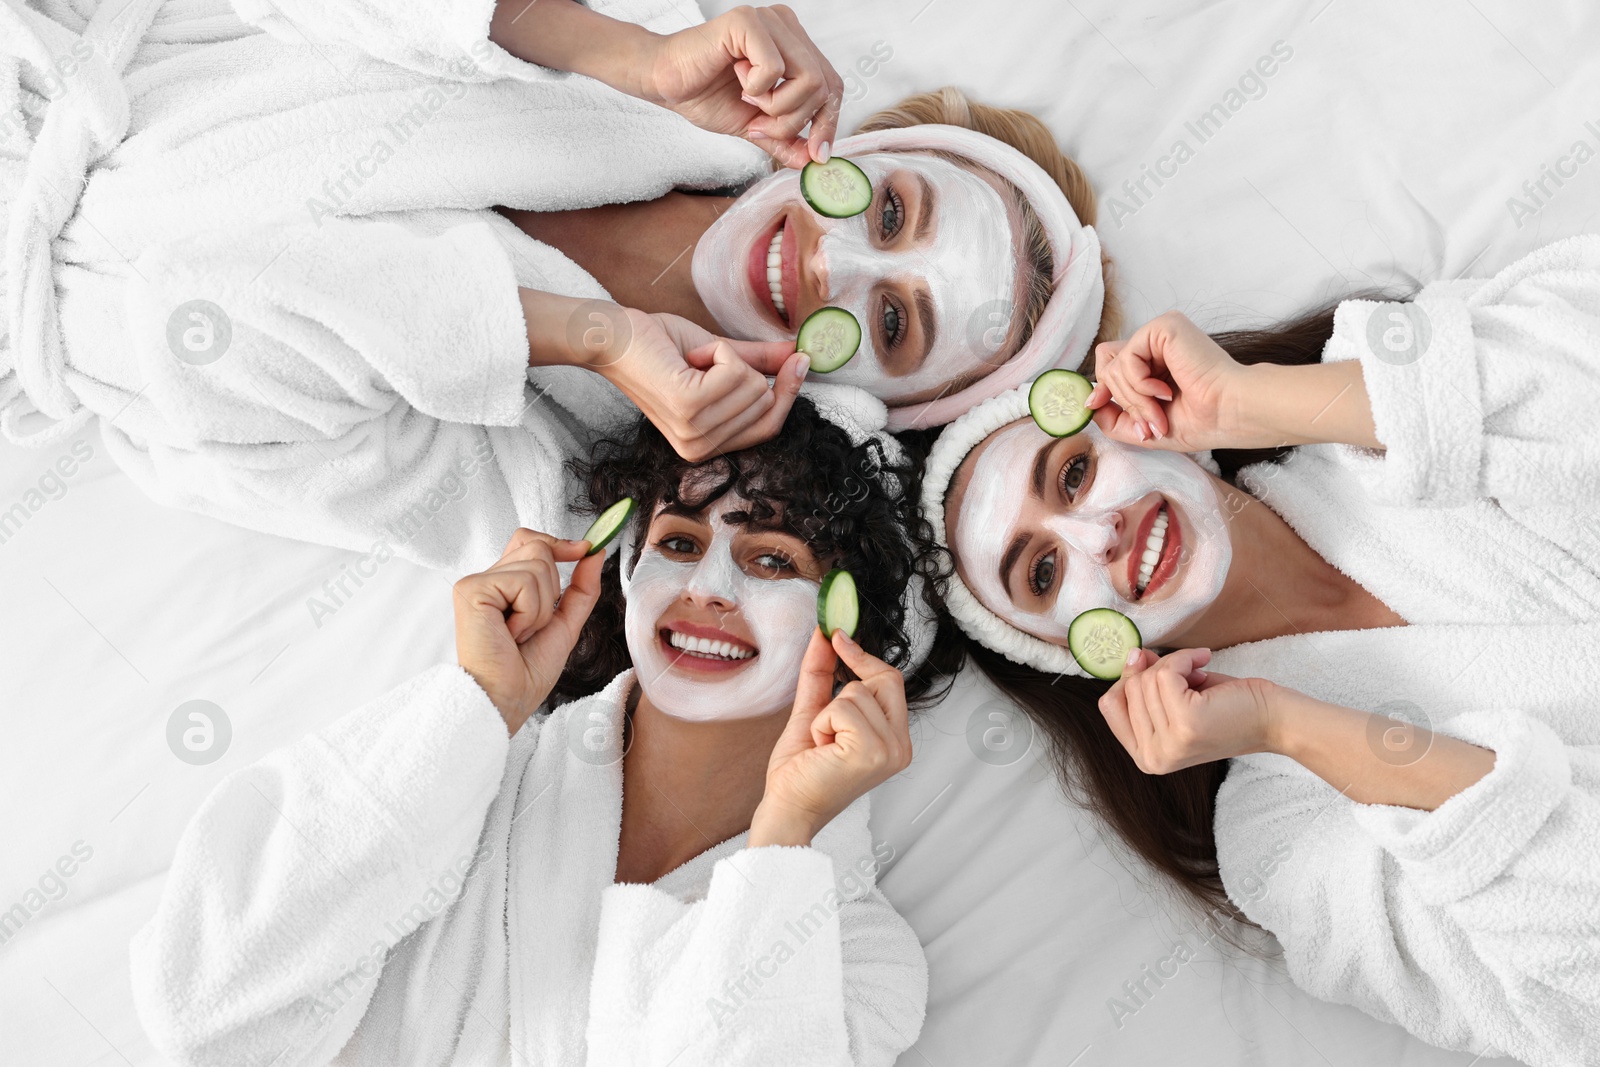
<point>1062,336</point>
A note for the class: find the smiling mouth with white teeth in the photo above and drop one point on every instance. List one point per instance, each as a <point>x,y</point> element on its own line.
<point>775,273</point>
<point>700,646</point>
<point>1153,546</point>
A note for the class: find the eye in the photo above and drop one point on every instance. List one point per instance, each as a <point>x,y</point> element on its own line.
<point>772,565</point>
<point>892,215</point>
<point>894,323</point>
<point>678,545</point>
<point>1042,573</point>
<point>1073,474</point>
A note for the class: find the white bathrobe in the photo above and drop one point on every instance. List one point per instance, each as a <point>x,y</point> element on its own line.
<point>321,173</point>
<point>1475,926</point>
<point>410,886</point>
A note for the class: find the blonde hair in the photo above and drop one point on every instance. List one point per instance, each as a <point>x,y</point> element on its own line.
<point>1022,131</point>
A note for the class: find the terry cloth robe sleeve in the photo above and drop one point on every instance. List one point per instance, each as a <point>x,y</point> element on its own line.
<point>779,964</point>
<point>285,880</point>
<point>1484,389</point>
<point>339,383</point>
<point>1473,926</point>
<point>447,40</point>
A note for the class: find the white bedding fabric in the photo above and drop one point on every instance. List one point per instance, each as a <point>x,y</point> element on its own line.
<point>1382,152</point>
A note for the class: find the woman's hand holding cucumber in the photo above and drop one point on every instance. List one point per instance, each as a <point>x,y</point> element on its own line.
<point>833,749</point>
<point>752,72</point>
<point>515,627</point>
<point>1171,386</point>
<point>1170,713</point>
<point>706,394</point>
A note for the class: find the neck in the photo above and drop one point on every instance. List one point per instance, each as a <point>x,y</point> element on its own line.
<point>640,252</point>
<point>688,786</point>
<point>1278,585</point>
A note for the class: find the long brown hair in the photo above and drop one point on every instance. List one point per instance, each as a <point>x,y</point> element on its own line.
<point>1164,819</point>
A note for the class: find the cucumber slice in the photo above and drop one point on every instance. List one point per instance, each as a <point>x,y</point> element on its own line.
<point>1100,640</point>
<point>837,188</point>
<point>837,605</point>
<point>830,336</point>
<point>1056,402</point>
<point>607,525</point>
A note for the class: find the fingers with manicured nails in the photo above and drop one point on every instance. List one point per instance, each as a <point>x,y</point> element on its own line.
<point>784,389</point>
<point>579,598</point>
<point>888,685</point>
<point>816,677</point>
<point>768,357</point>
<point>825,120</point>
<point>872,711</point>
<point>1114,709</point>
<point>1173,677</point>
<point>754,41</point>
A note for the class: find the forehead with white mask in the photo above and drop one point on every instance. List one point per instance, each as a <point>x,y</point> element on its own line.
<point>718,614</point>
<point>925,270</point>
<point>1045,528</point>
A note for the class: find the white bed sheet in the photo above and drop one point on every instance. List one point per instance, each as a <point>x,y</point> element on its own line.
<point>1382,152</point>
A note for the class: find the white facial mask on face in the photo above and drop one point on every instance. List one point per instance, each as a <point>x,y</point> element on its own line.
<point>1085,536</point>
<point>778,613</point>
<point>969,267</point>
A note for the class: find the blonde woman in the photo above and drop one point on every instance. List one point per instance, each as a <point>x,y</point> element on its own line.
<point>280,281</point>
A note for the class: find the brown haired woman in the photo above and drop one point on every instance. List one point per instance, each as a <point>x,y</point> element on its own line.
<point>1393,556</point>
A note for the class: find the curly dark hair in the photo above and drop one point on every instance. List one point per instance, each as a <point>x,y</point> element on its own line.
<point>808,481</point>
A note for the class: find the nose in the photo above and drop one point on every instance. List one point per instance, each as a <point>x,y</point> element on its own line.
<point>1096,536</point>
<point>713,584</point>
<point>839,265</point>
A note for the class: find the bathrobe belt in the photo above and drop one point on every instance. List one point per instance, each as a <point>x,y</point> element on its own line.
<point>86,119</point>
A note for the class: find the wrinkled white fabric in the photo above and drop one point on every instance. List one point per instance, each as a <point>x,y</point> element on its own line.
<point>326,184</point>
<point>1473,926</point>
<point>409,885</point>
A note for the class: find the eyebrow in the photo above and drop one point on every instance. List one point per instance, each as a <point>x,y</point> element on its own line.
<point>1041,467</point>
<point>929,321</point>
<point>1009,560</point>
<point>927,203</point>
<point>677,507</point>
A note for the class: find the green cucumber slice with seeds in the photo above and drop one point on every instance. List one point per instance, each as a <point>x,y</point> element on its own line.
<point>830,336</point>
<point>837,188</point>
<point>607,525</point>
<point>1100,640</point>
<point>838,607</point>
<point>1056,402</point>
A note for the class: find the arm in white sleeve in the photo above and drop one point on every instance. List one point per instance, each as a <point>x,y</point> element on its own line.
<point>448,40</point>
<point>294,868</point>
<point>1485,389</point>
<point>1473,926</point>
<point>774,966</point>
<point>343,379</point>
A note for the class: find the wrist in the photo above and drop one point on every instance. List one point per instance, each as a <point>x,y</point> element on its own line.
<point>564,331</point>
<point>774,825</point>
<point>1253,414</point>
<point>1300,725</point>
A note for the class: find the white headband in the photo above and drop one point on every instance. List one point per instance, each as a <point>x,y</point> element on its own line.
<point>976,621</point>
<point>1071,319</point>
<point>862,417</point>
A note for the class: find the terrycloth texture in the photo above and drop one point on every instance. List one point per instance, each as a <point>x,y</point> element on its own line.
<point>408,886</point>
<point>1474,926</point>
<point>326,185</point>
